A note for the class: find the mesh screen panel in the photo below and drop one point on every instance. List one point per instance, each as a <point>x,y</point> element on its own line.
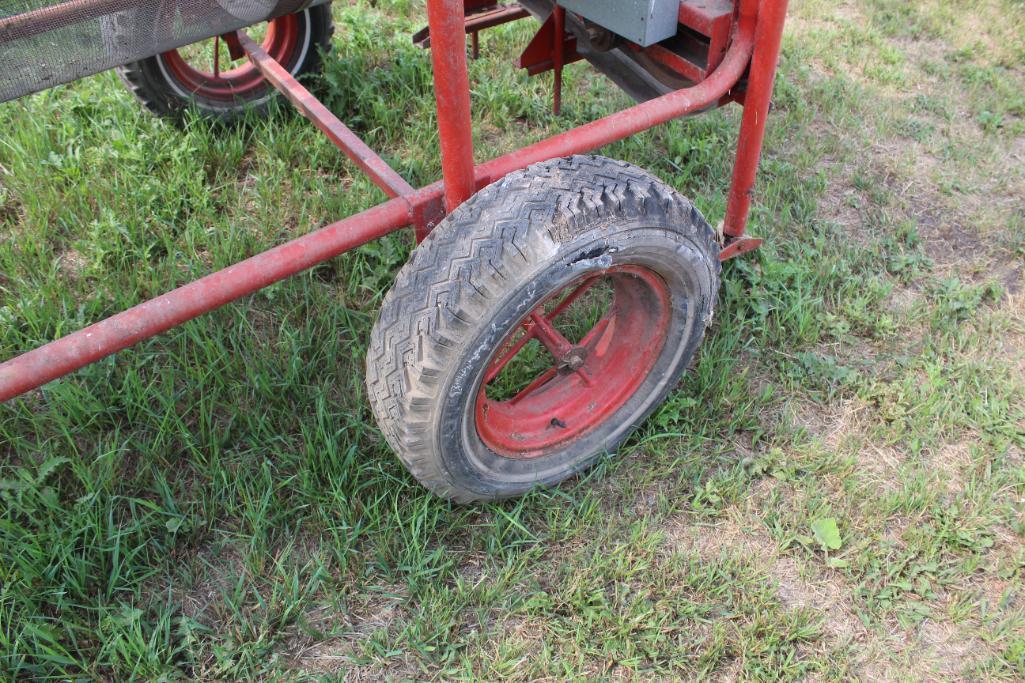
<point>44,43</point>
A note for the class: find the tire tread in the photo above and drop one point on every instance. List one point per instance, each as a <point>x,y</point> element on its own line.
<point>459,268</point>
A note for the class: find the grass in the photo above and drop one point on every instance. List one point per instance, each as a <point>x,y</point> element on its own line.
<point>216,503</point>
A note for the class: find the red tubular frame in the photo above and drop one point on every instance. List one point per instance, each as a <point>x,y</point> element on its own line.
<point>452,91</point>
<point>141,322</point>
<point>757,31</point>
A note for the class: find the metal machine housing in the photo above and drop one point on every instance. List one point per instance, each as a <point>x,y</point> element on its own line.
<point>644,22</point>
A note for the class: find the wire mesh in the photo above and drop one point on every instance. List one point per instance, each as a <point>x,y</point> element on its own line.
<point>43,44</point>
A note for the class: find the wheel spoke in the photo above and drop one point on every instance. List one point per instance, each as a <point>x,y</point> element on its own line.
<point>217,56</point>
<point>546,333</point>
<point>539,326</point>
<point>539,382</point>
<point>573,296</point>
<point>531,330</point>
<point>585,376</point>
<point>499,365</point>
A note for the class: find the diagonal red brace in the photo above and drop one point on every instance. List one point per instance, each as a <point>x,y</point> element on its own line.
<point>383,175</point>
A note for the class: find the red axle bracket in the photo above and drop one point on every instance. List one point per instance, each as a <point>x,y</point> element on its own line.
<point>736,246</point>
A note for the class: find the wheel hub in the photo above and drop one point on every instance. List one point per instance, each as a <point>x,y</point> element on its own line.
<point>573,360</point>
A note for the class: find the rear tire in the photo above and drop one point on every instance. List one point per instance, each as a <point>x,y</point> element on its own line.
<point>499,264</point>
<point>168,86</point>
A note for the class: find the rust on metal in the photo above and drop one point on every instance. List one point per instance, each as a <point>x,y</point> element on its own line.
<point>476,19</point>
<point>737,246</point>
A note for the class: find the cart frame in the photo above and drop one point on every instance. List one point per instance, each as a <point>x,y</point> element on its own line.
<point>752,57</point>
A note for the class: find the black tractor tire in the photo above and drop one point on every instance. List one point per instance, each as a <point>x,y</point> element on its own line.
<point>164,94</point>
<point>484,269</point>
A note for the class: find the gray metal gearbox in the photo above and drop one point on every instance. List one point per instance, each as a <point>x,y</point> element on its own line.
<point>644,22</point>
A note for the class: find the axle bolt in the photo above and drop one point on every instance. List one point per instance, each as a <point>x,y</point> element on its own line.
<point>573,360</point>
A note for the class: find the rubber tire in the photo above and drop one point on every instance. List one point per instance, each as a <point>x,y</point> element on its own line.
<point>483,269</point>
<point>152,84</point>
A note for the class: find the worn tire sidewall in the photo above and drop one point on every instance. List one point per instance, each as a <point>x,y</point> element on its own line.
<point>691,275</point>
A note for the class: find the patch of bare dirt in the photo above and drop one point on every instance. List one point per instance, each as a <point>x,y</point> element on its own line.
<point>949,649</point>
<point>938,650</point>
<point>72,264</point>
<point>841,429</point>
<point>954,224</point>
<point>904,300</point>
<point>843,205</point>
<point>799,586</point>
<point>949,465</point>
<point>1011,277</point>
<point>372,612</point>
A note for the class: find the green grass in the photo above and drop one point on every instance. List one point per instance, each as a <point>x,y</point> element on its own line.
<point>216,503</point>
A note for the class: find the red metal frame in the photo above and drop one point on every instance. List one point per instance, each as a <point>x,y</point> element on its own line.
<point>753,52</point>
<point>551,48</point>
<point>279,43</point>
<point>761,77</point>
<point>711,18</point>
<point>452,92</point>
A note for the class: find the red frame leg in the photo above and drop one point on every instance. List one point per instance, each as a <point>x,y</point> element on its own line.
<point>758,31</point>
<point>761,77</point>
<point>452,92</point>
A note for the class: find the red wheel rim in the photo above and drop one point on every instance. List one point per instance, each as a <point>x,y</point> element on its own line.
<point>280,42</point>
<point>590,380</point>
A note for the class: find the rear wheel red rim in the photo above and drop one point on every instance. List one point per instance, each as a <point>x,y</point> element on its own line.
<point>238,83</point>
<point>588,381</point>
